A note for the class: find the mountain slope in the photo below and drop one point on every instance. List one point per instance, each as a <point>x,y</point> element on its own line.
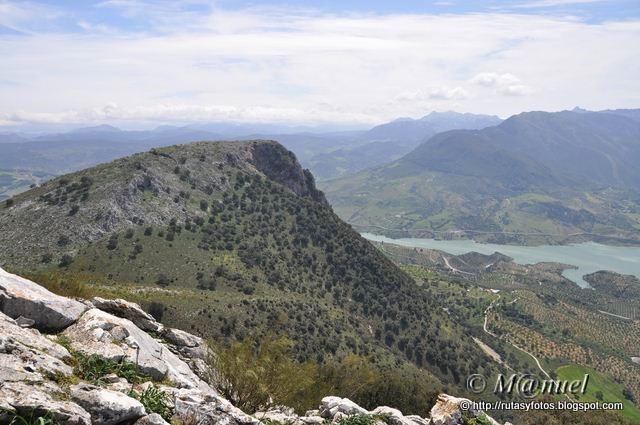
<point>537,177</point>
<point>390,141</point>
<point>234,240</point>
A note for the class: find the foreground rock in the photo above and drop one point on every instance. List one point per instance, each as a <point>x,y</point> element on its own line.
<point>29,365</point>
<point>106,407</point>
<point>22,297</point>
<point>130,311</point>
<point>117,338</point>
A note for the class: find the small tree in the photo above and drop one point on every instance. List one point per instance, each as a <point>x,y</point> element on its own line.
<point>163,280</point>
<point>65,261</point>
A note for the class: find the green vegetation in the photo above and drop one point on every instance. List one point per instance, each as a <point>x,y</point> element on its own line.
<point>94,368</point>
<point>32,418</point>
<point>358,420</point>
<point>154,400</point>
<point>477,184</point>
<point>480,420</point>
<point>600,388</point>
<point>266,255</point>
<point>256,375</point>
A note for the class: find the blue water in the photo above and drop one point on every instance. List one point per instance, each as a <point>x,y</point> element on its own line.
<point>588,257</point>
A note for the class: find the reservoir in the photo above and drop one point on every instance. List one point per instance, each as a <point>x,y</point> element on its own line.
<point>588,257</point>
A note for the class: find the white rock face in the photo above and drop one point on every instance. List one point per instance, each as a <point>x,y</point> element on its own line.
<point>128,310</point>
<point>117,338</point>
<point>106,407</point>
<point>22,297</point>
<point>331,405</point>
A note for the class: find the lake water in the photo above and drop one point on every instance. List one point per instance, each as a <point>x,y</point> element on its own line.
<point>588,257</point>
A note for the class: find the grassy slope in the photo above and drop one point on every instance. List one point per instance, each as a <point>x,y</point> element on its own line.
<point>611,391</point>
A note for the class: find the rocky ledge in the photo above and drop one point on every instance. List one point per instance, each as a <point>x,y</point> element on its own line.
<point>60,374</point>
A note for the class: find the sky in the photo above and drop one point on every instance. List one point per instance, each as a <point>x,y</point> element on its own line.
<point>349,62</point>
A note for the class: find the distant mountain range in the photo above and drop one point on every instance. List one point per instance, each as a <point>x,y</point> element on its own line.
<point>327,154</point>
<point>537,177</point>
<point>390,141</point>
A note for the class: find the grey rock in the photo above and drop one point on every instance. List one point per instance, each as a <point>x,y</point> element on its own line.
<point>395,417</point>
<point>419,420</point>
<point>209,408</point>
<point>152,419</point>
<point>23,397</point>
<point>331,405</point>
<point>25,322</point>
<point>311,420</point>
<point>27,356</point>
<point>128,310</point>
<point>100,332</point>
<point>105,406</point>
<point>22,297</point>
<point>181,338</point>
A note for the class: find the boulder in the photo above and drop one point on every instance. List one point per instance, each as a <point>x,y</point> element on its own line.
<point>181,338</point>
<point>447,411</point>
<point>152,419</point>
<point>331,405</point>
<point>106,407</point>
<point>208,408</point>
<point>50,312</point>
<point>22,398</point>
<point>394,416</point>
<point>419,420</point>
<point>116,338</point>
<point>128,310</point>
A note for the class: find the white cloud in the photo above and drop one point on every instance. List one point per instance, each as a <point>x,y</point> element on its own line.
<point>305,67</point>
<point>447,93</point>
<point>506,84</point>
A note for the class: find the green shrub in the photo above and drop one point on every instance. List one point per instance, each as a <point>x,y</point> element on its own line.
<point>94,368</point>
<point>256,376</point>
<point>154,400</point>
<point>480,420</point>
<point>358,420</point>
<point>32,418</point>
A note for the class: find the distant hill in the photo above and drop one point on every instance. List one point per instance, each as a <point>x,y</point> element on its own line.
<point>233,240</point>
<point>547,175</point>
<point>387,142</point>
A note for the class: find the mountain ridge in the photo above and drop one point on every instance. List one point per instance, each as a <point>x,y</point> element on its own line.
<point>537,172</point>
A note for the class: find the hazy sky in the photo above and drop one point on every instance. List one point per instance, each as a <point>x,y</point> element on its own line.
<point>348,61</point>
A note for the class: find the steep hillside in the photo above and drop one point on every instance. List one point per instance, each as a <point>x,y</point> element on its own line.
<point>233,240</point>
<point>537,177</point>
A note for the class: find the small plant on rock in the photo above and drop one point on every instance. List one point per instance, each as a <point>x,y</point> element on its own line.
<point>94,368</point>
<point>154,400</point>
<point>358,420</point>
